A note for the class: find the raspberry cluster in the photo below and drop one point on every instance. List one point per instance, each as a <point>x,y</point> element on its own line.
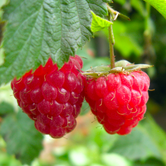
<point>52,97</point>
<point>118,100</point>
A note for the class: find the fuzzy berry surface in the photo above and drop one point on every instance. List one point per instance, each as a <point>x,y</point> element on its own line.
<point>118,100</point>
<point>52,97</point>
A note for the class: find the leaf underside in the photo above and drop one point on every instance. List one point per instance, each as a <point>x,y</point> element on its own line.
<point>38,29</point>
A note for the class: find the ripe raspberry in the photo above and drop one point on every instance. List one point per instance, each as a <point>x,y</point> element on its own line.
<point>118,100</point>
<point>52,97</point>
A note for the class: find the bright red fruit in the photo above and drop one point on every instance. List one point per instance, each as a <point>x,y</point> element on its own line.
<point>118,100</point>
<point>52,97</point>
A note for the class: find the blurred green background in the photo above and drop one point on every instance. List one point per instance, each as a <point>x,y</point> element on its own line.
<point>141,40</point>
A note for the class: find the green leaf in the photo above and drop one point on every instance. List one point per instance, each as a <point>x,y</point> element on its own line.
<point>137,145</point>
<point>38,29</point>
<point>22,139</point>
<point>98,7</point>
<point>99,23</point>
<point>5,108</point>
<point>159,5</point>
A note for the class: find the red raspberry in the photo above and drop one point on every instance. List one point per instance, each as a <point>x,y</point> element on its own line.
<point>118,100</point>
<point>52,97</point>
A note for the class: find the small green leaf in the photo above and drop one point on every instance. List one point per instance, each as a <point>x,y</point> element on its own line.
<point>22,139</point>
<point>159,5</point>
<point>99,23</point>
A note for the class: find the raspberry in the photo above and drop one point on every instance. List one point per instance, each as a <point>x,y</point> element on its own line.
<point>118,100</point>
<point>52,97</point>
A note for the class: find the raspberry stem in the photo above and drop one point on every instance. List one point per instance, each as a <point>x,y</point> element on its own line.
<point>111,41</point>
<point>112,16</point>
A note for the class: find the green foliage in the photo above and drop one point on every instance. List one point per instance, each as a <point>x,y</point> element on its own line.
<point>107,1</point>
<point>91,61</point>
<point>85,108</point>
<point>89,149</point>
<point>127,145</point>
<point>5,108</point>
<point>8,160</point>
<point>139,6</point>
<point>38,29</point>
<point>2,2</point>
<point>160,5</point>
<point>122,2</point>
<point>127,41</point>
<point>98,147</point>
<point>156,133</point>
<point>32,35</point>
<point>124,41</point>
<point>149,162</point>
<point>22,139</point>
<point>99,23</point>
<point>97,7</point>
<point>146,140</point>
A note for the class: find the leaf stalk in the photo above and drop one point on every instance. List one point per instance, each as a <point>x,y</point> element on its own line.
<point>115,14</point>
